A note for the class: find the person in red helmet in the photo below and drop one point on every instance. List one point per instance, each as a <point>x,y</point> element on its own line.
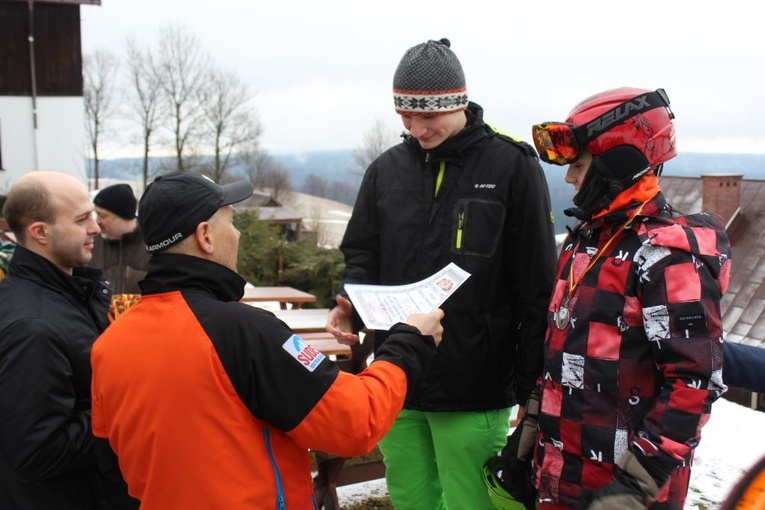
<point>634,344</point>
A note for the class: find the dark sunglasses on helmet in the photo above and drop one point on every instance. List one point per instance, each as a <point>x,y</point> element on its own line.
<point>560,143</point>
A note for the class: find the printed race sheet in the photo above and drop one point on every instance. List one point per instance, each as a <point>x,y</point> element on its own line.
<point>382,306</point>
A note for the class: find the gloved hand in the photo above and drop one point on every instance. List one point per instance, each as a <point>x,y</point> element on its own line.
<point>516,474</point>
<point>639,476</point>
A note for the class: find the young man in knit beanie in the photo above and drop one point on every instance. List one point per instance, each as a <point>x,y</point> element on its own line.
<point>455,190</point>
<point>119,250</point>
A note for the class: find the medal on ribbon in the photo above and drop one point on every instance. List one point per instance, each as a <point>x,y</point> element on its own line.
<point>562,317</point>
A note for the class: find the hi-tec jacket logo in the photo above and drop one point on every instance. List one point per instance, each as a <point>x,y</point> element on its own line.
<point>608,119</point>
<point>305,353</point>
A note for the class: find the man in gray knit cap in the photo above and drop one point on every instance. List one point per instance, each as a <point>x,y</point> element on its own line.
<point>455,190</point>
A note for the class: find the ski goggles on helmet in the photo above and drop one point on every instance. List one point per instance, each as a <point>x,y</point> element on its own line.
<point>561,143</point>
<point>557,142</point>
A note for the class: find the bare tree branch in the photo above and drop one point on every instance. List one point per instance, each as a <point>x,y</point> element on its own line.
<point>377,140</point>
<point>100,73</point>
<point>266,174</point>
<point>144,96</point>
<point>316,185</point>
<point>181,67</point>
<point>230,120</point>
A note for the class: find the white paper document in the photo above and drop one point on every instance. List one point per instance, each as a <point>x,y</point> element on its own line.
<point>382,306</point>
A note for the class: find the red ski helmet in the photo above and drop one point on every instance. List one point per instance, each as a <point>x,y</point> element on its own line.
<point>629,132</point>
<point>652,132</point>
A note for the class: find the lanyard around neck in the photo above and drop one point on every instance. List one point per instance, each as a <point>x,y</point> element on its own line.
<point>573,285</point>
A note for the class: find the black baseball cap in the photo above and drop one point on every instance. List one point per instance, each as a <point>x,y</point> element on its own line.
<point>175,203</point>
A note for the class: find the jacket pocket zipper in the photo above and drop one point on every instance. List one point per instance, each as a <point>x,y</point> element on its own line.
<point>460,226</point>
<point>280,503</point>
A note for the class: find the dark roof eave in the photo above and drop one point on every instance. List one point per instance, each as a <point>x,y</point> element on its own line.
<point>72,2</point>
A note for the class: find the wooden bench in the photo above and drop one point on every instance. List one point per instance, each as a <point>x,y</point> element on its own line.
<point>327,344</point>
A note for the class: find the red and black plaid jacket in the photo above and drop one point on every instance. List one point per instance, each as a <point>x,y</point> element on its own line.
<point>642,353</point>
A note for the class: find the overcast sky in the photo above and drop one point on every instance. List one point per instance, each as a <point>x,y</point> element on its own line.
<point>322,71</point>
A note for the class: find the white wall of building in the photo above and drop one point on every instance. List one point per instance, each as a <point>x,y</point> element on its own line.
<point>59,143</point>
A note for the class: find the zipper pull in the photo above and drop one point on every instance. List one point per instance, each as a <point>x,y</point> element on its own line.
<point>460,226</point>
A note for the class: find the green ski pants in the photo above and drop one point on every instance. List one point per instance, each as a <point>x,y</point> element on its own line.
<point>434,461</point>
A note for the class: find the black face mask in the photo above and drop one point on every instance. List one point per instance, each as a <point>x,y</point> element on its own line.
<point>609,174</point>
<point>592,197</point>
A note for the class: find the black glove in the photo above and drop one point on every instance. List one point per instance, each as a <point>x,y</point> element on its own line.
<point>638,477</point>
<point>515,471</point>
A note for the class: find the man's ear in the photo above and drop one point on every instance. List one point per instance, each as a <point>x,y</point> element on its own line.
<point>204,237</point>
<point>39,231</point>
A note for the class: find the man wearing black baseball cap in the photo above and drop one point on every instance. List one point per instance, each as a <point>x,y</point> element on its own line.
<point>175,204</point>
<point>212,403</point>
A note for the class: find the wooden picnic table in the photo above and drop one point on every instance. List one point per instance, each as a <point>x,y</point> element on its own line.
<point>305,320</point>
<point>309,324</point>
<point>283,295</point>
<point>326,344</point>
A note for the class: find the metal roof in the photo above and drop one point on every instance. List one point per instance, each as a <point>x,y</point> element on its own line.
<point>271,210</point>
<point>743,305</point>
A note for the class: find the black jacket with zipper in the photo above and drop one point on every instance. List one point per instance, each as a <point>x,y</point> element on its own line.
<point>48,323</point>
<point>491,216</point>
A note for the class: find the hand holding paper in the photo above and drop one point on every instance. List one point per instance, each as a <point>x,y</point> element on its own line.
<point>340,322</point>
<point>429,324</point>
<point>382,306</point>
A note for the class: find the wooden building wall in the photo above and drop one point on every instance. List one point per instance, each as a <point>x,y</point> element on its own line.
<point>57,49</point>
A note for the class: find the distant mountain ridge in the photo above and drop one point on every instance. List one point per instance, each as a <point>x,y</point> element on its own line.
<point>332,165</point>
<point>339,166</point>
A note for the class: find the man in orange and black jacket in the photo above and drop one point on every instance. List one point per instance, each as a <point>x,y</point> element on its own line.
<point>211,403</point>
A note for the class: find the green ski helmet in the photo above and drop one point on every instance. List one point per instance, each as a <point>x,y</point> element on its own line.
<point>500,498</point>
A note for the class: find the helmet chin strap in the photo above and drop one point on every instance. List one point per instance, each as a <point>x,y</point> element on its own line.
<point>592,197</point>
<point>609,174</point>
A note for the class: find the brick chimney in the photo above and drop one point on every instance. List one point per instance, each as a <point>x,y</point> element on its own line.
<point>721,194</point>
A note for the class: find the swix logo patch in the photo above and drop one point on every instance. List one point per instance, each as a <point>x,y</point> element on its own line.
<point>306,354</point>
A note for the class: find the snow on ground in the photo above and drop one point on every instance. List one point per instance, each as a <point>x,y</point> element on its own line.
<point>731,443</point>
<point>358,492</point>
